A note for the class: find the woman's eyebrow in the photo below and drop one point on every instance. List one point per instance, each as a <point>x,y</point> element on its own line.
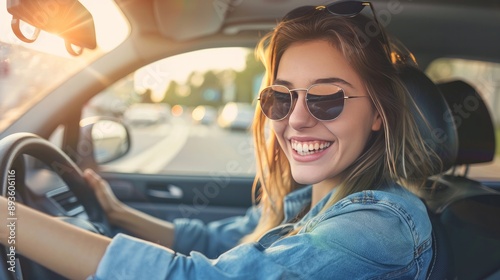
<point>282,83</point>
<point>331,80</point>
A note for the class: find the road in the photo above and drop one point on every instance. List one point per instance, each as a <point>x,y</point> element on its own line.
<point>180,146</point>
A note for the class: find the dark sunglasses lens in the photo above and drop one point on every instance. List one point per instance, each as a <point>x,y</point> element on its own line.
<point>325,102</point>
<point>275,102</point>
<point>348,8</point>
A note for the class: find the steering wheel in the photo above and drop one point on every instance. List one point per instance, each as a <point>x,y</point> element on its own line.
<point>12,148</point>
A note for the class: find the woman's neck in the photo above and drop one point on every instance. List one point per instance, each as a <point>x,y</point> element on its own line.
<point>321,189</point>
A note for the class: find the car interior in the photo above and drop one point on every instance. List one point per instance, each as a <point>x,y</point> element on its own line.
<point>467,208</point>
<point>49,140</point>
<point>466,233</point>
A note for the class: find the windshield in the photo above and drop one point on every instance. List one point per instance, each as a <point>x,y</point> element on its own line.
<point>28,71</point>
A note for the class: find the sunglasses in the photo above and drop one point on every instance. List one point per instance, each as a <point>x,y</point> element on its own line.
<point>325,102</point>
<point>347,8</point>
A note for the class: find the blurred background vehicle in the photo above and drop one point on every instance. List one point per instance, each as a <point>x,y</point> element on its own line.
<point>146,114</point>
<point>237,116</point>
<point>203,114</point>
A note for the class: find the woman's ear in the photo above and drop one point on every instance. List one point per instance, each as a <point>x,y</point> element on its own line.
<point>377,122</point>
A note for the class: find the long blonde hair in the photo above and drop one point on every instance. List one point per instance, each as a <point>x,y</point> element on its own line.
<point>395,153</point>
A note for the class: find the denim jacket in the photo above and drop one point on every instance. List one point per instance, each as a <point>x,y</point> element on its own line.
<point>382,234</point>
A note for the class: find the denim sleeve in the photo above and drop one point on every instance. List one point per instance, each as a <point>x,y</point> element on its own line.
<point>214,238</point>
<point>365,243</point>
<point>128,258</point>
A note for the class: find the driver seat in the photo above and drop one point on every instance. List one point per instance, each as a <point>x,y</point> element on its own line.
<point>442,138</point>
<point>467,210</point>
<point>465,213</point>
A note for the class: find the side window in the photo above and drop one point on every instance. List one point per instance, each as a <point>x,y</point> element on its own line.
<point>189,114</point>
<point>485,77</point>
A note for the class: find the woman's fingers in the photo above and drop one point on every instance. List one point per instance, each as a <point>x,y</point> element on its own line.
<point>92,178</point>
<point>104,194</point>
<point>101,189</point>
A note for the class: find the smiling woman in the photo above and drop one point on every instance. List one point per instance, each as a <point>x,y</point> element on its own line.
<point>360,159</point>
<point>324,190</point>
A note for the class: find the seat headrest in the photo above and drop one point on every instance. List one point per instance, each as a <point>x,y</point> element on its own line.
<point>442,135</point>
<point>476,135</point>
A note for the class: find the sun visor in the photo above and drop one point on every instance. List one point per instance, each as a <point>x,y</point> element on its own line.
<point>184,20</point>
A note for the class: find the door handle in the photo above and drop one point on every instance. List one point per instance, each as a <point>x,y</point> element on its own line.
<point>171,192</point>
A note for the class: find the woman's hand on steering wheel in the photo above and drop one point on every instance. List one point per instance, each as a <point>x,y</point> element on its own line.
<point>109,203</point>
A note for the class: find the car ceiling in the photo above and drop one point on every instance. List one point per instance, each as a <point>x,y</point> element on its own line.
<point>430,28</point>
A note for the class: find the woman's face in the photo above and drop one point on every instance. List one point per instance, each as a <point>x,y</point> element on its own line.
<point>337,143</point>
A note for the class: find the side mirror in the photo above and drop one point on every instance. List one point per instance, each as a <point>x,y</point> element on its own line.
<point>110,139</point>
<point>68,19</point>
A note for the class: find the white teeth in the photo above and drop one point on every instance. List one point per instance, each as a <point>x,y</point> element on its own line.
<point>309,148</point>
<point>299,148</point>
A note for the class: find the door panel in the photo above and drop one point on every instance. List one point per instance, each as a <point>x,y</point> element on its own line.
<point>195,197</point>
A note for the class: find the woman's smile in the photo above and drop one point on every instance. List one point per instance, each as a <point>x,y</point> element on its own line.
<point>309,150</point>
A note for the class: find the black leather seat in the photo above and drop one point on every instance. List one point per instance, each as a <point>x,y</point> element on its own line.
<point>465,213</point>
<point>476,134</point>
<point>441,135</point>
<point>468,210</point>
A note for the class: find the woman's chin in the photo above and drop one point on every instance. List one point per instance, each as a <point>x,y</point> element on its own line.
<point>306,178</point>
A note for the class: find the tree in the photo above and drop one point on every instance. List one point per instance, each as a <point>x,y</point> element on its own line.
<point>245,80</point>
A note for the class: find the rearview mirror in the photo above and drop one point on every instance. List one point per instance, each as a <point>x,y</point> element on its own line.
<point>68,19</point>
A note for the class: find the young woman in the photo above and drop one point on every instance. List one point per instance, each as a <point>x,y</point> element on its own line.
<point>334,177</point>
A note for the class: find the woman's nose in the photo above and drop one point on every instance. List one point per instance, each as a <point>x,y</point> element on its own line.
<point>300,117</point>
